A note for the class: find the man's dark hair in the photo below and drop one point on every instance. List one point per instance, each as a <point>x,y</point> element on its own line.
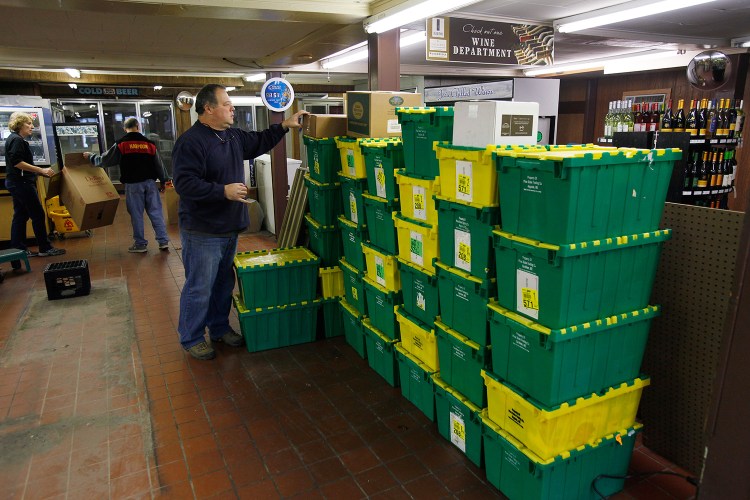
<point>207,95</point>
<point>131,123</point>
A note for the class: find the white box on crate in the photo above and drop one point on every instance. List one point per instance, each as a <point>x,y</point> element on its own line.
<point>479,123</point>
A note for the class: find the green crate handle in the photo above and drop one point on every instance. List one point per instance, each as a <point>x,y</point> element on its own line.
<point>432,277</point>
<point>474,410</point>
<point>478,282</point>
<point>343,221</point>
<point>331,186</point>
<point>439,325</point>
<point>389,204</point>
<point>312,257</point>
<point>311,139</point>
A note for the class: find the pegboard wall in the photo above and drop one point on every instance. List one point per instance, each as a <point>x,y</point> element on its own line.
<point>693,286</point>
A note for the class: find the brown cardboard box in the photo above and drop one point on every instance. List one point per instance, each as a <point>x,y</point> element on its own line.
<point>171,202</point>
<point>86,192</point>
<point>373,114</point>
<point>322,126</point>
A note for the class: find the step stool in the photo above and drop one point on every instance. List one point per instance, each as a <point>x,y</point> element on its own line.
<point>12,254</point>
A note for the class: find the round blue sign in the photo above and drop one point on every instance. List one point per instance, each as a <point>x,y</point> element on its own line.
<point>277,94</point>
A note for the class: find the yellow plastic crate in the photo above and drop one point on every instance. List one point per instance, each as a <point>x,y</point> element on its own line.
<point>468,175</point>
<point>416,197</point>
<point>331,282</point>
<point>417,242</point>
<point>551,431</point>
<point>382,268</point>
<point>352,160</point>
<point>418,339</point>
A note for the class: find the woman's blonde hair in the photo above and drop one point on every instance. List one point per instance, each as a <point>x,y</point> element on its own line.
<point>18,119</point>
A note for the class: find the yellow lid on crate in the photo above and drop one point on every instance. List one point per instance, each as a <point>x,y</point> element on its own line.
<point>273,257</point>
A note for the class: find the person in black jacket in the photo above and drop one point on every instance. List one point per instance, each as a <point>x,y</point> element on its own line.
<point>140,165</point>
<point>20,179</point>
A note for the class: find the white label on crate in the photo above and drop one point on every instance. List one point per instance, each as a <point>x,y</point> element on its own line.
<point>350,162</point>
<point>416,248</point>
<point>462,259</point>
<point>527,293</point>
<point>380,347</point>
<point>458,353</point>
<point>512,459</point>
<point>393,127</point>
<point>419,200</point>
<point>532,184</point>
<point>519,341</point>
<point>379,270</point>
<point>461,292</point>
<point>416,375</point>
<point>380,182</point>
<point>464,181</point>
<point>421,303</point>
<point>353,207</point>
<point>458,432</point>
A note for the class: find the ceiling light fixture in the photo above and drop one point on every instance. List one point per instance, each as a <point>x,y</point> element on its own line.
<point>361,51</point>
<point>608,66</point>
<point>256,77</point>
<point>410,11</point>
<point>73,72</point>
<point>229,89</point>
<point>157,87</point>
<point>620,13</point>
<point>72,85</point>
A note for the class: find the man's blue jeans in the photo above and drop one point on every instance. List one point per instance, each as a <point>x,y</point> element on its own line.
<point>209,281</point>
<point>140,196</point>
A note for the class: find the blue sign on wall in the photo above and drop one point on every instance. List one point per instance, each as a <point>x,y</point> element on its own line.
<point>277,94</point>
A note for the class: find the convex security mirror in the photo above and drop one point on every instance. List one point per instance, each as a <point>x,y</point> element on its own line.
<point>185,100</point>
<point>709,70</point>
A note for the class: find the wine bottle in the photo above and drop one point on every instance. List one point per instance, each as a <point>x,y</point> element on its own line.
<point>720,171</point>
<point>703,172</point>
<point>653,118</point>
<point>679,117</point>
<point>666,119</point>
<point>691,122</point>
<point>721,121</point>
<point>731,118</point>
<point>608,122</point>
<point>713,171</point>
<point>702,117</point>
<point>740,121</point>
<point>712,122</point>
<point>689,170</point>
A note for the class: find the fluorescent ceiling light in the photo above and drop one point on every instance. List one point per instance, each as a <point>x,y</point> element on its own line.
<point>72,85</point>
<point>73,72</point>
<point>361,51</point>
<point>157,87</point>
<point>229,89</point>
<point>410,11</point>
<point>564,68</point>
<point>257,77</point>
<point>622,12</point>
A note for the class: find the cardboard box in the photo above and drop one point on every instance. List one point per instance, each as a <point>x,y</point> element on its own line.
<point>322,126</point>
<point>86,192</point>
<point>171,203</point>
<point>373,114</point>
<point>255,211</point>
<point>480,123</point>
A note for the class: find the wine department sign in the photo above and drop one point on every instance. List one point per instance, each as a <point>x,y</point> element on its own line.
<point>454,39</point>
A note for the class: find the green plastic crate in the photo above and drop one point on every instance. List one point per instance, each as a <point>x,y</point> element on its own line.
<point>380,221</point>
<point>459,420</point>
<point>323,159</point>
<point>463,301</point>
<point>280,326</point>
<point>353,332</point>
<point>333,323</point>
<point>564,285</point>
<point>420,128</point>
<point>420,290</point>
<point>276,277</point>
<point>381,354</point>
<point>554,366</point>
<point>324,200</point>
<point>381,304</point>
<point>416,382</point>
<point>354,287</point>
<point>325,241</point>
<point>461,363</point>
<point>465,236</point>
<point>519,473</point>
<point>564,197</point>
<point>352,237</point>
<point>351,195</point>
<point>382,159</point>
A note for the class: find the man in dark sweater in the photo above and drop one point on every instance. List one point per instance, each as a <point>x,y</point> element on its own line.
<point>140,166</point>
<point>208,176</point>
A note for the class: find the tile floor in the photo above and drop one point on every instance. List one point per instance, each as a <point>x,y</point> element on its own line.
<point>89,412</point>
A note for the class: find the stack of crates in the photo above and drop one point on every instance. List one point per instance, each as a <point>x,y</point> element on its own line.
<point>324,199</point>
<point>276,304</point>
<point>575,262</point>
<point>468,211</point>
<point>417,246</point>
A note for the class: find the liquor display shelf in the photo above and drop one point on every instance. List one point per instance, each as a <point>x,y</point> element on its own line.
<point>716,141</point>
<point>704,192</point>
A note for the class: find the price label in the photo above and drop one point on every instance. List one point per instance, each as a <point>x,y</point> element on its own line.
<point>458,431</point>
<point>380,182</point>
<point>421,301</point>
<point>527,293</point>
<point>464,180</point>
<point>379,270</point>
<point>350,162</point>
<point>416,248</point>
<point>419,199</point>
<point>316,162</point>
<point>353,208</point>
<point>462,257</point>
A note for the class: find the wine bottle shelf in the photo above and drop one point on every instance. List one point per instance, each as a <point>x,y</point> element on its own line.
<point>705,192</point>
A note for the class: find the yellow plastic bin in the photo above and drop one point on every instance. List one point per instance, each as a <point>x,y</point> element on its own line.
<point>550,431</point>
<point>468,175</point>
<point>418,339</point>
<point>417,242</point>
<point>416,199</point>
<point>331,282</point>
<point>382,268</point>
<point>352,160</point>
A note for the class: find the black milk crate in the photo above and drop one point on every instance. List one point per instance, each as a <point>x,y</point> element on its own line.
<point>67,279</point>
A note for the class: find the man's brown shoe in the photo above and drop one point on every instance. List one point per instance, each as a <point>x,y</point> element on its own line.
<point>202,350</point>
